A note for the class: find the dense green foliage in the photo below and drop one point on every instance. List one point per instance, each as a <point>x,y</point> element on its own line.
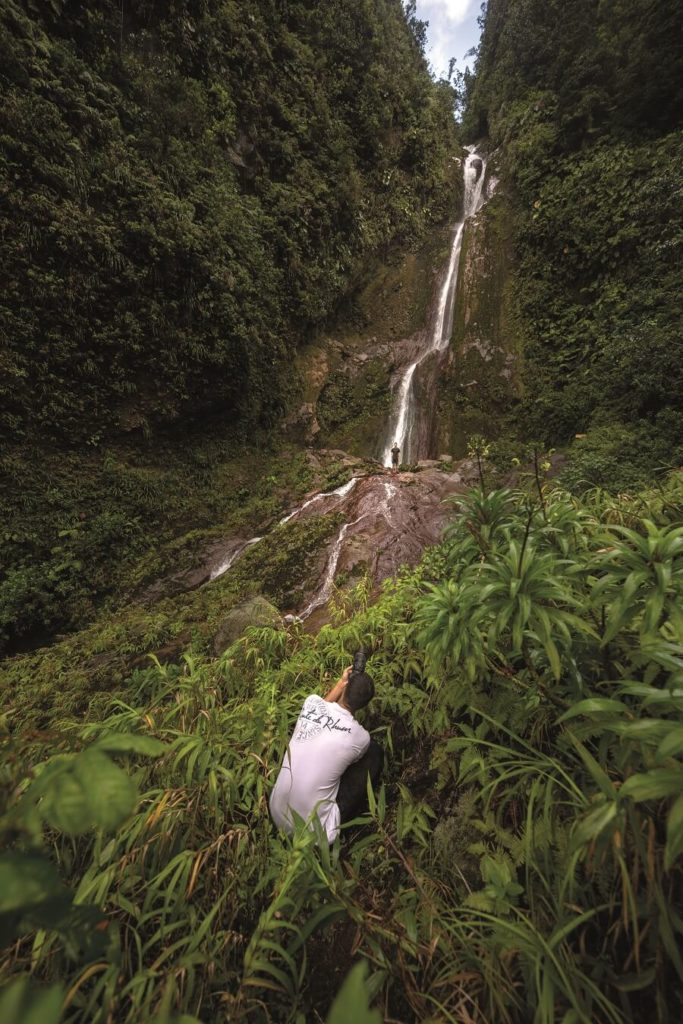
<point>77,674</point>
<point>82,534</point>
<point>524,858</point>
<point>187,189</point>
<point>584,101</point>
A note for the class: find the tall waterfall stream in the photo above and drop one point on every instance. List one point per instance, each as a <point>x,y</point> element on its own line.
<point>402,427</point>
<point>376,497</point>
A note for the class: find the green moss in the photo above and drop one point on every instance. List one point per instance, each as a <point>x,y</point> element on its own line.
<point>478,387</point>
<point>353,397</point>
<point>65,679</point>
<point>82,532</point>
<point>352,411</point>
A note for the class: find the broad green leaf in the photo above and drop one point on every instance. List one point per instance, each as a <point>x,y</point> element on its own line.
<point>111,791</point>
<point>593,706</point>
<point>600,777</point>
<point>674,833</point>
<point>654,785</point>
<point>129,743</point>
<point>672,744</point>
<point>593,824</point>
<point>642,729</point>
<point>65,805</point>
<point>92,792</point>
<point>351,1004</point>
<point>23,1003</point>
<point>27,880</point>
<point>31,895</point>
<point>635,982</point>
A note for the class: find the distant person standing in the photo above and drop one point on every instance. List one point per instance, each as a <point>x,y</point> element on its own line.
<point>395,452</point>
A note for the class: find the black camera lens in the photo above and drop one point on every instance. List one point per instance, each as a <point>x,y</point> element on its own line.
<point>359,660</point>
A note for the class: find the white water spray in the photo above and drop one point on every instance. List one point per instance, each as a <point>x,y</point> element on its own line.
<point>231,559</point>
<point>401,427</point>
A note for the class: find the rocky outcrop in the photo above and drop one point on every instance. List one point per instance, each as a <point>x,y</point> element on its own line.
<point>347,375</point>
<point>390,520</point>
<point>479,381</point>
<point>254,612</point>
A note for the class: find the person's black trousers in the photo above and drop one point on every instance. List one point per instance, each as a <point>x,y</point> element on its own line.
<point>352,797</point>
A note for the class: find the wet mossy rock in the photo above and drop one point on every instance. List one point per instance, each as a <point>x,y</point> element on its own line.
<point>480,382</point>
<point>254,612</point>
<point>345,376</point>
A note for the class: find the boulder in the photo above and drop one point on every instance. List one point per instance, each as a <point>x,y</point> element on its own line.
<point>304,421</point>
<point>254,612</point>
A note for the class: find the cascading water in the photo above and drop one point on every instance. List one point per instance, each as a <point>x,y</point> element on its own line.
<point>402,425</point>
<point>227,563</point>
<point>340,492</point>
<point>382,508</point>
<point>232,558</point>
<point>322,595</point>
<point>406,420</point>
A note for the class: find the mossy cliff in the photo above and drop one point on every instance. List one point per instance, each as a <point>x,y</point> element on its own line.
<point>346,374</point>
<point>189,190</point>
<point>479,381</point>
<point>582,104</point>
<point>190,194</point>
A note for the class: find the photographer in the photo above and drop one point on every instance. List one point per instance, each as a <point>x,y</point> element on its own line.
<point>329,757</point>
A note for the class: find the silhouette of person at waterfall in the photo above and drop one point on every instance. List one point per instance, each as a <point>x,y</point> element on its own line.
<point>395,452</point>
<point>328,760</point>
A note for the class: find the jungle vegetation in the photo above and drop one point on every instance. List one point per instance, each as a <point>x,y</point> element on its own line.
<point>522,860</point>
<point>190,190</point>
<point>582,103</point>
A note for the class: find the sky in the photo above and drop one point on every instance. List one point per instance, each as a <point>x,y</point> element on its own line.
<point>452,31</point>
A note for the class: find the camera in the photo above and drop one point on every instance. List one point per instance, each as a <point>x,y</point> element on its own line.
<point>360,659</point>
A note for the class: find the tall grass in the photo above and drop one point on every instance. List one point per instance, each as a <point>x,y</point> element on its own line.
<point>521,863</point>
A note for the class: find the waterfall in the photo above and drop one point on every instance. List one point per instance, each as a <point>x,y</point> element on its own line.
<point>338,492</point>
<point>322,595</point>
<point>401,427</point>
<point>405,420</point>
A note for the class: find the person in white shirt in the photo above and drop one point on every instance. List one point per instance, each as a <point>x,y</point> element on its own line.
<point>325,768</point>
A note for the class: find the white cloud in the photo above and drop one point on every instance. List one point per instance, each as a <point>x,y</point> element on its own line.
<point>452,30</point>
<point>455,11</point>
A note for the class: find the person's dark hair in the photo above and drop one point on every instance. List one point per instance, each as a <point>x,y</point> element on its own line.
<point>359,691</point>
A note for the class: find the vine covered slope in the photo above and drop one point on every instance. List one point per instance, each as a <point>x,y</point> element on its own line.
<point>521,862</point>
<point>582,102</point>
<point>187,189</point>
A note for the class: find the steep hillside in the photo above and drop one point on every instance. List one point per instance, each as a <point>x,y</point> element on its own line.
<point>583,103</point>
<point>189,192</point>
<point>188,189</point>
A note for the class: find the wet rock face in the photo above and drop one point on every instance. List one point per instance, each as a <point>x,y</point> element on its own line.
<point>478,385</point>
<point>396,519</point>
<point>187,579</point>
<point>390,520</point>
